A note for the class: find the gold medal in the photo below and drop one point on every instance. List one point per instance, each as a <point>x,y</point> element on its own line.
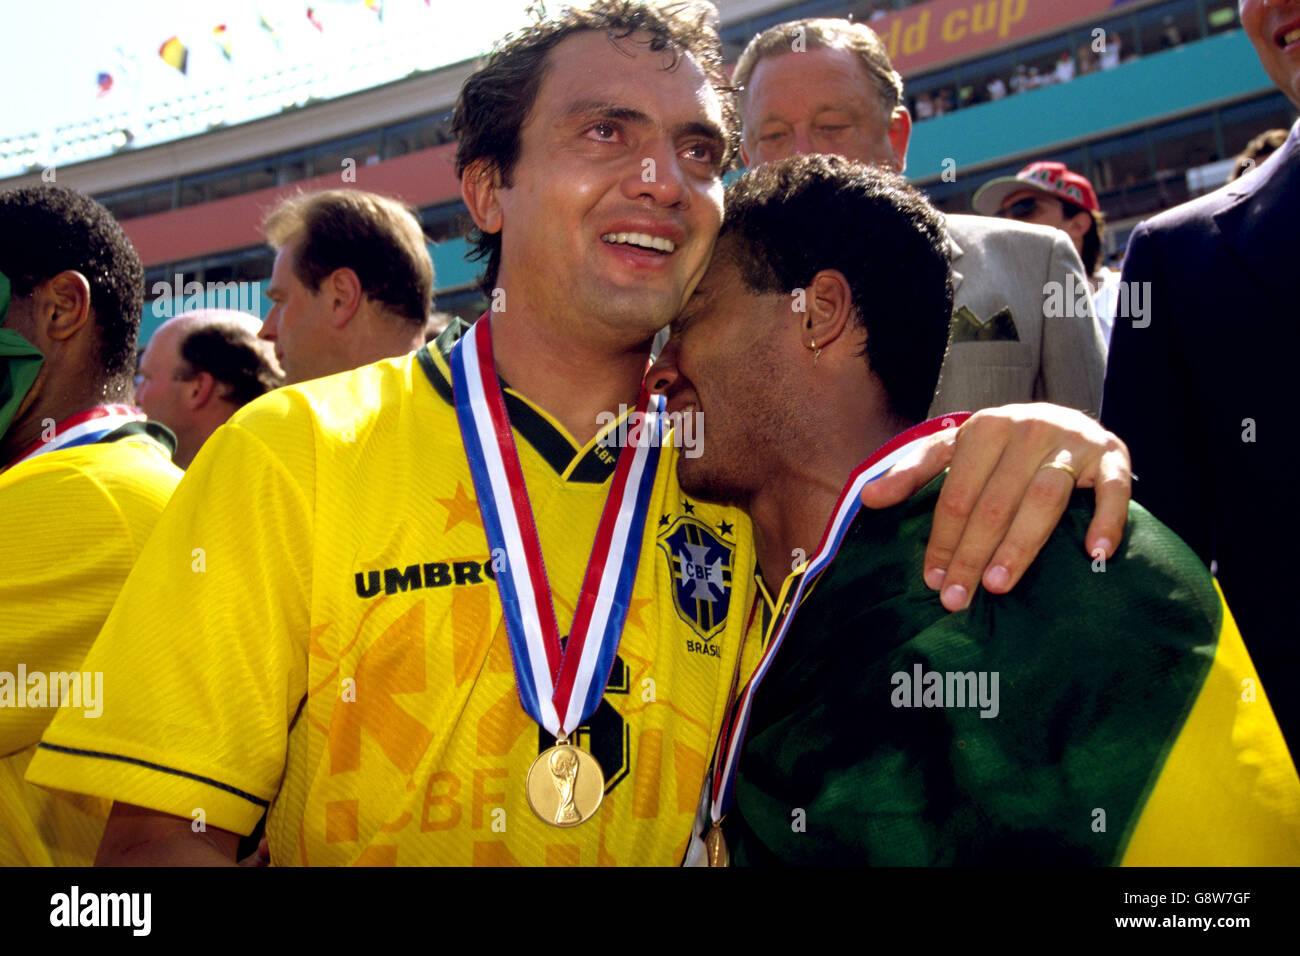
<point>565,785</point>
<point>715,845</point>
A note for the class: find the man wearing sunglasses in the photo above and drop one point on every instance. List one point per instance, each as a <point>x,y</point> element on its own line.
<point>1049,194</point>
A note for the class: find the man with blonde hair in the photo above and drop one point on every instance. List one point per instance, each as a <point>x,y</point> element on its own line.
<point>352,282</point>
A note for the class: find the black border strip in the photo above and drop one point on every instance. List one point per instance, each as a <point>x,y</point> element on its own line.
<point>77,752</point>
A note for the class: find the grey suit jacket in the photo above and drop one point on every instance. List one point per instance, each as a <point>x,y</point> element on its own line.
<point>1051,349</point>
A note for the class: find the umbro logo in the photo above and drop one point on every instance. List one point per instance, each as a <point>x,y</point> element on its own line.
<point>431,574</point>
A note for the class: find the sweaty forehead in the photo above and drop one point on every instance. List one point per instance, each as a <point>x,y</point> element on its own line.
<point>592,66</point>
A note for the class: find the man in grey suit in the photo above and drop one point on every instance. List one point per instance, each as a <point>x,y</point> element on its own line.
<point>1202,387</point>
<point>827,86</point>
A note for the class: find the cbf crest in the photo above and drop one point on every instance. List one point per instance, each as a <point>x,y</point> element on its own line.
<point>700,562</point>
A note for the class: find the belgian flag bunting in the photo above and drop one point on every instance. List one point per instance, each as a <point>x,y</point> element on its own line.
<point>175,54</point>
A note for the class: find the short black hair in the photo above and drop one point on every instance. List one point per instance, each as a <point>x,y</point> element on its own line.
<point>47,229</point>
<point>787,221</point>
<point>495,101</point>
<point>232,355</point>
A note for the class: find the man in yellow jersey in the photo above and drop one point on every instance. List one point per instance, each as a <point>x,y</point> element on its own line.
<point>83,478</point>
<point>352,669</point>
<point>1099,714</point>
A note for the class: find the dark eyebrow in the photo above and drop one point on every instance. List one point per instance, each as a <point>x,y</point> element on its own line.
<point>628,114</point>
<point>607,109</point>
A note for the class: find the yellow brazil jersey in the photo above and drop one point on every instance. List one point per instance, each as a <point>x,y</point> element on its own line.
<point>315,628</point>
<point>75,520</point>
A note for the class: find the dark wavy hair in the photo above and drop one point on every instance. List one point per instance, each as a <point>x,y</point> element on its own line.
<point>495,101</point>
<point>789,220</point>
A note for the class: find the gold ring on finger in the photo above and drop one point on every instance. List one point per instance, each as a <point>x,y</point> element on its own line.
<point>1062,466</point>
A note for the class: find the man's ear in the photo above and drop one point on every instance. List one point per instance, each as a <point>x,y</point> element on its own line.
<point>202,389</point>
<point>344,291</point>
<point>829,308</point>
<point>900,134</point>
<point>68,293</point>
<point>480,187</point>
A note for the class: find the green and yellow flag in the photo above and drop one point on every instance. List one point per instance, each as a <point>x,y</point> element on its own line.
<point>1101,713</point>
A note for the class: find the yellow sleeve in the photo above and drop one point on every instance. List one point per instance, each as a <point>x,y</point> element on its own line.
<point>204,654</point>
<point>65,552</point>
<point>1228,794</point>
<point>75,519</point>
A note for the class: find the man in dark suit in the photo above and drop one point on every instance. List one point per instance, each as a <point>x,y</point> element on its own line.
<point>1201,388</point>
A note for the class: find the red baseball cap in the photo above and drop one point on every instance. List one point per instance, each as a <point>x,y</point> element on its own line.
<point>1050,178</point>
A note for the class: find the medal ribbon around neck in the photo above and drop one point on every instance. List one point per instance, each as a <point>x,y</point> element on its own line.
<point>559,687</point>
<point>726,758</point>
<point>84,428</point>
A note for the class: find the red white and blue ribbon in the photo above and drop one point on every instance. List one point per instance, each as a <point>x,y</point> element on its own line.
<point>559,687</point>
<point>726,758</point>
<point>84,428</point>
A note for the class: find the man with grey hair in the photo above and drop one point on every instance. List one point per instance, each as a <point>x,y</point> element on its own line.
<point>199,369</point>
<point>352,282</point>
<point>827,86</point>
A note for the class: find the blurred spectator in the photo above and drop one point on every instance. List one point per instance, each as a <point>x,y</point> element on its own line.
<point>1087,60</point>
<point>1257,150</point>
<point>1064,68</point>
<point>1108,59</point>
<point>83,479</point>
<point>1020,79</point>
<point>924,107</point>
<point>997,89</point>
<point>1170,37</point>
<point>352,282</point>
<point>1048,194</point>
<point>199,369</point>
<point>437,324</point>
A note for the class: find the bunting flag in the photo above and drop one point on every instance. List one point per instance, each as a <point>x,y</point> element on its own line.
<point>376,6</point>
<point>222,38</point>
<point>105,83</point>
<point>311,17</point>
<point>270,28</point>
<point>175,54</point>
